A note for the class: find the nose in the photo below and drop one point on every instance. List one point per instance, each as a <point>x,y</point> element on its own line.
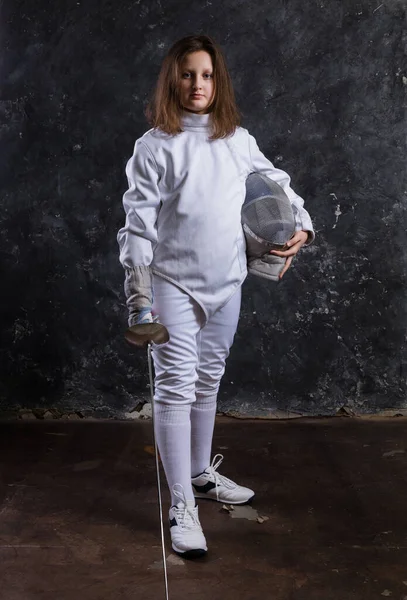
<point>196,85</point>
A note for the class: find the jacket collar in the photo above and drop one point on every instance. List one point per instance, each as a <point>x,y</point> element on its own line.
<point>192,121</point>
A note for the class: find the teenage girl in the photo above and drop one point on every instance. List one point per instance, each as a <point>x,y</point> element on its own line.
<point>183,251</point>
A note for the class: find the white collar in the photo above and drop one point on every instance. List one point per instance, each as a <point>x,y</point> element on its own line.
<point>195,122</point>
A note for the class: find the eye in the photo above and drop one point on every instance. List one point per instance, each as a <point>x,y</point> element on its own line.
<point>186,75</point>
<point>208,75</point>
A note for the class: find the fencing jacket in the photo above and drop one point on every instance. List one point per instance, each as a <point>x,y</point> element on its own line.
<point>183,208</point>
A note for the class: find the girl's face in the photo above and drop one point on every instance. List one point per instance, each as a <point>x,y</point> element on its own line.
<point>196,84</point>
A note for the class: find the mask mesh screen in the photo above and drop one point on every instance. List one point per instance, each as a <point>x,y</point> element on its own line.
<point>267,210</point>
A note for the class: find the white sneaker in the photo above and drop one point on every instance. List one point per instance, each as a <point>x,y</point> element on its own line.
<point>215,486</point>
<point>187,536</point>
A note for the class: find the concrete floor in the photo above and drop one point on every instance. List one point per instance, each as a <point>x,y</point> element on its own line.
<point>79,516</point>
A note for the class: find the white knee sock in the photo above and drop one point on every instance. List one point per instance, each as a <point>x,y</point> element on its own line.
<point>203,412</point>
<point>173,435</point>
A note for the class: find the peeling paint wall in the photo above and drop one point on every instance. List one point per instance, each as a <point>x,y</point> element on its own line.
<point>321,86</point>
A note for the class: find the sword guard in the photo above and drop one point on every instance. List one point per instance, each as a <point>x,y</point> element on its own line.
<point>146,333</point>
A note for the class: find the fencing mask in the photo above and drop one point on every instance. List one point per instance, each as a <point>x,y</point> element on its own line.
<point>268,223</point>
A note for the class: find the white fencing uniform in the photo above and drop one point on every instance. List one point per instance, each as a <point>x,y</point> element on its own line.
<point>183,219</point>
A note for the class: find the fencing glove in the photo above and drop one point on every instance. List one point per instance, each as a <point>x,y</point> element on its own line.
<point>268,223</point>
<point>143,327</point>
<point>139,295</point>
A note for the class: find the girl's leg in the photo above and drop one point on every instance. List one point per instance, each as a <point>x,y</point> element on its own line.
<point>214,343</point>
<point>175,375</point>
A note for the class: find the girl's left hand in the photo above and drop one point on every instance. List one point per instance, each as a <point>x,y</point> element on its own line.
<point>293,245</point>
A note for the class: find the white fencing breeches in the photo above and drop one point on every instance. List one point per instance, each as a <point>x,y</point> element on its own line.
<point>188,370</point>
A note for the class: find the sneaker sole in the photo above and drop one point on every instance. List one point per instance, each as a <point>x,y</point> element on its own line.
<point>205,497</point>
<point>190,554</point>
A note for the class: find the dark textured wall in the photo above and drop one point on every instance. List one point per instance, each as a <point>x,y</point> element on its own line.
<point>321,86</point>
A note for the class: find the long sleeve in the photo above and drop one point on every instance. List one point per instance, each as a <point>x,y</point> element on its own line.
<point>261,164</point>
<point>141,203</point>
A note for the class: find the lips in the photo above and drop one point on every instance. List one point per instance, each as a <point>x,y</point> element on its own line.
<point>196,95</point>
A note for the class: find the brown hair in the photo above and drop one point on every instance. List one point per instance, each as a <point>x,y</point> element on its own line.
<point>164,109</point>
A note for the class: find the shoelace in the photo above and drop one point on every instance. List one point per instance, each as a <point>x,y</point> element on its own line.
<point>187,516</point>
<point>219,479</point>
